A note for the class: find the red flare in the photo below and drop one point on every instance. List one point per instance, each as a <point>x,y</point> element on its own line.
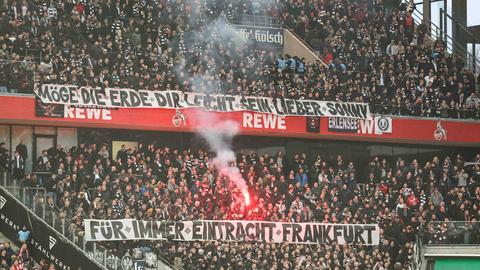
<point>247,198</point>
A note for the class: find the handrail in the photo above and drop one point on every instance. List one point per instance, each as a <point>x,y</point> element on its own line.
<point>440,33</point>
<point>252,21</point>
<point>159,256</point>
<point>7,175</point>
<point>418,253</point>
<point>459,24</point>
<point>470,56</point>
<point>16,61</point>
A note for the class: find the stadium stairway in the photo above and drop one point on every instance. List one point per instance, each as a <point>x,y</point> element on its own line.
<point>294,45</point>
<point>438,32</point>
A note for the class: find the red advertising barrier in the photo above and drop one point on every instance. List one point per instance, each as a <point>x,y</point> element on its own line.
<point>23,110</point>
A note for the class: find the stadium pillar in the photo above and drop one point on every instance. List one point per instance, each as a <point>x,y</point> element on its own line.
<point>459,25</point>
<point>427,14</point>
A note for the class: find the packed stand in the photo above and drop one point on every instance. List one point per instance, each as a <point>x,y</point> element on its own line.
<point>373,50</point>
<point>13,258</point>
<point>163,183</point>
<point>377,54</point>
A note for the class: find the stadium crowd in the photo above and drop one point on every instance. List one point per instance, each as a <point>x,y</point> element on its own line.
<point>13,258</point>
<point>373,52</point>
<point>164,183</point>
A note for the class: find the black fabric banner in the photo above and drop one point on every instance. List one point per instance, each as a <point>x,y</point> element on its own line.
<point>44,242</point>
<point>262,36</point>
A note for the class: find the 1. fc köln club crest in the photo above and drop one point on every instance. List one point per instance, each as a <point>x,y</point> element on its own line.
<point>440,133</point>
<point>179,119</point>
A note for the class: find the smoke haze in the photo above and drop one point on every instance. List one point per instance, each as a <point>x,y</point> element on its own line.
<point>216,131</point>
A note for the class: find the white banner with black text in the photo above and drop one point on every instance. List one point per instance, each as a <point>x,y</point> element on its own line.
<point>231,230</point>
<point>128,98</point>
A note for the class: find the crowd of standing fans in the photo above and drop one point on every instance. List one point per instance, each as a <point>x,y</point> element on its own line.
<point>165,183</point>
<point>373,51</point>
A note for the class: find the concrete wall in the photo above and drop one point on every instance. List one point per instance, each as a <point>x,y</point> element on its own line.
<point>296,47</point>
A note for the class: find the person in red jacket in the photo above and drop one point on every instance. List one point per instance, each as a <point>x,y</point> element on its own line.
<point>412,200</point>
<point>383,187</point>
<point>17,265</point>
<point>327,56</point>
<point>80,7</point>
<point>409,20</point>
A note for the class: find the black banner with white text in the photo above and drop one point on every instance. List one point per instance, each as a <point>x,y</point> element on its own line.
<point>45,242</point>
<point>231,230</point>
<point>262,36</point>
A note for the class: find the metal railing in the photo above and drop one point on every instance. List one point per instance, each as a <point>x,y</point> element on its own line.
<point>36,198</point>
<point>257,20</point>
<point>450,233</point>
<point>472,113</point>
<point>440,32</point>
<point>418,259</point>
<point>470,58</point>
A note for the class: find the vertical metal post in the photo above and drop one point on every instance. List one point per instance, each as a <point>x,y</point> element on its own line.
<point>63,226</point>
<point>104,257</point>
<point>5,179</point>
<point>441,24</point>
<point>24,190</point>
<point>474,57</point>
<point>94,250</point>
<point>34,205</point>
<point>54,217</point>
<point>115,263</point>
<point>43,211</point>
<point>445,24</point>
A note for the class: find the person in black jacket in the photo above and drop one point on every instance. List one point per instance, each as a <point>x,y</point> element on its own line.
<point>23,151</point>
<point>3,157</point>
<point>18,166</point>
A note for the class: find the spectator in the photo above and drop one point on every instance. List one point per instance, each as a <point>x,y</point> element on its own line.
<point>23,235</point>
<point>7,253</point>
<point>301,178</point>
<point>24,257</point>
<point>437,198</point>
<point>392,48</point>
<point>3,156</point>
<point>190,189</point>
<point>22,150</point>
<point>112,50</point>
<point>18,166</point>
<point>104,153</point>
